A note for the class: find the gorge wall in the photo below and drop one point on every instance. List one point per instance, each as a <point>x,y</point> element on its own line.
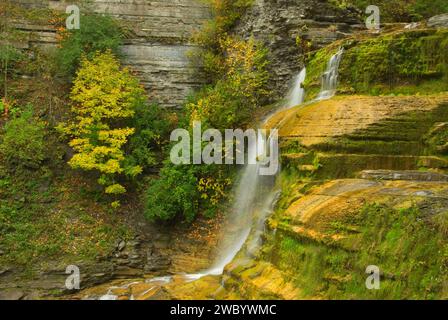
<point>291,28</point>
<point>159,35</point>
<point>157,45</point>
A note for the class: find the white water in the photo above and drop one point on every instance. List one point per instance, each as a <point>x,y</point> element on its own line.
<point>255,196</point>
<point>296,95</point>
<point>247,204</point>
<point>330,77</point>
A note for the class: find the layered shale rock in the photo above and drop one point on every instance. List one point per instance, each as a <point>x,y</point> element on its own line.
<point>290,28</point>
<point>157,46</point>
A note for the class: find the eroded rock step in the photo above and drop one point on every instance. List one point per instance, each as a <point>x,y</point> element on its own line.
<point>403,175</point>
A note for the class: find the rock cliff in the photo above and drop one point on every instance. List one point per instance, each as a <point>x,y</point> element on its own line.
<point>291,28</point>
<point>157,46</point>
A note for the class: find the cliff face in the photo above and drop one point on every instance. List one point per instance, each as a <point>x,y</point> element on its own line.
<point>160,31</point>
<point>290,28</point>
<point>158,44</point>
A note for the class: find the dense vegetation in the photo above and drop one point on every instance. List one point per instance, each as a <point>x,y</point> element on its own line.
<point>80,143</point>
<point>61,118</point>
<point>237,71</point>
<point>98,34</point>
<point>45,208</point>
<point>103,96</point>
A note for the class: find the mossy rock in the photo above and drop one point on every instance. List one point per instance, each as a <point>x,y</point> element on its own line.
<point>404,62</point>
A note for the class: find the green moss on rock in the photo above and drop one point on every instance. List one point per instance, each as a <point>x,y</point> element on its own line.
<point>405,62</point>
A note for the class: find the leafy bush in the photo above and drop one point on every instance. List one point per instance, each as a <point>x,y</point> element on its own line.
<point>173,194</point>
<point>240,89</point>
<point>104,96</point>
<point>97,33</point>
<point>225,14</point>
<point>152,128</point>
<point>23,143</point>
<point>185,191</point>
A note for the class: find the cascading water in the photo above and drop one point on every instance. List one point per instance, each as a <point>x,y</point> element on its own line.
<point>297,93</point>
<point>330,77</point>
<point>255,195</point>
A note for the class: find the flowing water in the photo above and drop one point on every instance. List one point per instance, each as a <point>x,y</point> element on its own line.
<point>297,93</point>
<point>330,77</point>
<point>255,195</point>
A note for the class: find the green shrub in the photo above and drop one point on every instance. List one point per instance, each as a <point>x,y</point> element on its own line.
<point>185,191</point>
<point>151,131</point>
<point>173,194</point>
<point>23,143</point>
<point>240,89</point>
<point>216,31</point>
<point>97,33</point>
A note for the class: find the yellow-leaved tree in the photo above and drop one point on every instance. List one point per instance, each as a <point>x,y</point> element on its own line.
<point>104,98</point>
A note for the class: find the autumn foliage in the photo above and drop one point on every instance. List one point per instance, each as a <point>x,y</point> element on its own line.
<point>104,96</point>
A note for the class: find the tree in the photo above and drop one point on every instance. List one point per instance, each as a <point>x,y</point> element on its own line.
<point>104,96</point>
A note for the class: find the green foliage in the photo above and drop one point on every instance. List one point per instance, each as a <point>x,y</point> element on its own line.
<point>97,33</point>
<point>225,14</point>
<point>23,143</point>
<point>40,223</point>
<point>396,59</point>
<point>409,244</point>
<point>238,79</point>
<point>214,33</point>
<point>152,128</point>
<point>184,191</point>
<point>231,101</point>
<point>104,96</point>
<point>173,194</point>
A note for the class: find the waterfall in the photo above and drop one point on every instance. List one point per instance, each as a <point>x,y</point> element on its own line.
<point>297,93</point>
<point>330,77</point>
<point>250,199</point>
<point>255,197</point>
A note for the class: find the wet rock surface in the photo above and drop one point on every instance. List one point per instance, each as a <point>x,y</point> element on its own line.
<point>403,175</point>
<point>280,25</point>
<point>439,21</point>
